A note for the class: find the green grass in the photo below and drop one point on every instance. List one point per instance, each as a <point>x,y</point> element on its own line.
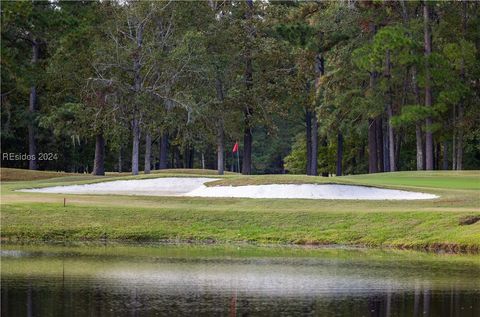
<point>403,224</point>
<point>15,174</point>
<point>422,179</point>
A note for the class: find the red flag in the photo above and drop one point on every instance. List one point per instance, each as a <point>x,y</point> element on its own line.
<point>235,147</point>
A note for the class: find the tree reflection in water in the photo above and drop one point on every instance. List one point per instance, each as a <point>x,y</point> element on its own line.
<point>204,281</point>
<point>85,298</point>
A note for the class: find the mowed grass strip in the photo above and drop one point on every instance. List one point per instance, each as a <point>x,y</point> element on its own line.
<point>463,180</point>
<point>396,229</point>
<point>16,174</point>
<point>404,224</point>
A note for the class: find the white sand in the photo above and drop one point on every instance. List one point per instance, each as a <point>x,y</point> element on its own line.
<point>194,187</point>
<point>168,186</point>
<point>308,191</point>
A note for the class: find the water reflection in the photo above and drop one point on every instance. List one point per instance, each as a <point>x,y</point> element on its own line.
<point>158,282</point>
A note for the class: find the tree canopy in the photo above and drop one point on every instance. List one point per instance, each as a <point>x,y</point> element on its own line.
<point>334,87</point>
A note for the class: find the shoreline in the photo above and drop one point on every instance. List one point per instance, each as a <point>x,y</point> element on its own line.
<point>436,248</point>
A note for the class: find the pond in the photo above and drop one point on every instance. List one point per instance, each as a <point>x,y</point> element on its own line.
<point>234,280</point>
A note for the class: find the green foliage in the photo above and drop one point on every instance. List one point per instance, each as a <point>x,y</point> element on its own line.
<point>85,77</point>
<point>296,161</point>
<point>65,120</point>
<point>411,114</point>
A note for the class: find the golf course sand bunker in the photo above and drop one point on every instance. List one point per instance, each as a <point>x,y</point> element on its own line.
<point>168,186</point>
<point>194,187</point>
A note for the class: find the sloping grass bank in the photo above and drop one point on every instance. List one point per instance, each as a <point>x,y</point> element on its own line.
<point>430,224</point>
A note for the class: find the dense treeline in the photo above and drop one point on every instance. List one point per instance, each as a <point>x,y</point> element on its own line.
<point>304,87</point>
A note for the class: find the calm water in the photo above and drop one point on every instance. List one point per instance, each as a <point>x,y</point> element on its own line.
<point>182,280</point>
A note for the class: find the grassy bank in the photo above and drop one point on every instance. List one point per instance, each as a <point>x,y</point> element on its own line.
<point>431,224</point>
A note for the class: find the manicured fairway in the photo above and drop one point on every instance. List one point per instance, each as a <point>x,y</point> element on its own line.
<point>412,224</point>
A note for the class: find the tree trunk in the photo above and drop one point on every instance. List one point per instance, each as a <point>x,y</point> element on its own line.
<point>380,148</point>
<point>386,151</point>
<point>372,147</point>
<point>372,139</point>
<point>148,152</point>
<point>320,71</point>
<point>339,153</point>
<point>120,163</point>
<point>247,133</point>
<point>454,139</point>
<point>314,166</point>
<point>220,133</point>
<point>398,145</point>
<point>460,106</point>
<point>459,145</point>
<point>186,157</point>
<point>176,158</point>
<point>32,109</point>
<point>99,162</point>
<point>308,124</point>
<point>191,157</point>
<point>418,125</point>
<point>135,146</point>
<point>445,155</point>
<point>438,151</point>
<point>419,143</point>
<point>137,83</point>
<point>391,140</point>
<point>247,151</point>
<point>220,151</point>
<point>428,145</point>
<point>324,144</point>
<point>428,89</point>
<point>163,155</point>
